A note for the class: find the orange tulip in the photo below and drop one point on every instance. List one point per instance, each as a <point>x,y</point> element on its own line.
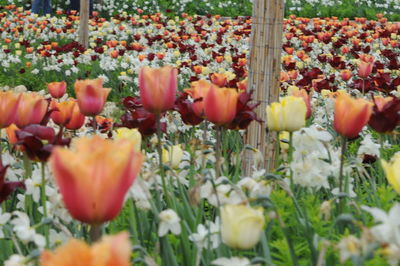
<point>8,108</point>
<point>91,96</point>
<point>111,250</point>
<point>351,115</point>
<point>220,105</point>
<point>219,79</point>
<point>158,88</point>
<point>198,92</point>
<point>67,114</point>
<point>31,110</point>
<point>57,89</point>
<point>365,69</point>
<point>94,176</point>
<point>345,74</point>
<point>77,118</point>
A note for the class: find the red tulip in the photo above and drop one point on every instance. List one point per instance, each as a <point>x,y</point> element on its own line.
<point>91,96</point>
<point>385,114</point>
<point>158,88</point>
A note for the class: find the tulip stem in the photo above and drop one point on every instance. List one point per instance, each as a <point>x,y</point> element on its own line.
<point>95,232</point>
<point>218,154</point>
<point>159,149</point>
<point>44,199</point>
<point>363,86</point>
<point>94,125</point>
<point>341,188</point>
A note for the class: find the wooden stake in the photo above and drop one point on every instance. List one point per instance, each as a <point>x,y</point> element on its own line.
<point>264,71</point>
<point>84,23</point>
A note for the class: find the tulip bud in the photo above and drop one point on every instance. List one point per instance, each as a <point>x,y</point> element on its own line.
<point>9,103</point>
<point>132,135</point>
<point>198,92</point>
<point>220,105</point>
<point>91,96</point>
<point>242,226</point>
<point>31,110</point>
<point>57,89</point>
<point>304,95</point>
<point>158,88</point>
<point>351,115</point>
<point>345,74</point>
<point>365,69</point>
<point>219,79</point>
<point>392,171</point>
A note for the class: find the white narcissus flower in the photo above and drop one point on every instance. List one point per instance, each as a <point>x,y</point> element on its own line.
<point>24,231</point>
<point>233,261</point>
<point>4,217</point>
<point>170,221</point>
<point>388,229</point>
<point>207,234</point>
<point>17,260</point>
<point>348,247</point>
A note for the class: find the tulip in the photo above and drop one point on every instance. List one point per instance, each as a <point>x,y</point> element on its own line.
<point>57,89</point>
<point>351,115</point>
<point>62,112</point>
<point>392,171</point>
<point>275,117</point>
<point>173,156</point>
<point>220,105</point>
<point>31,110</point>
<point>385,115</point>
<point>219,79</point>
<point>241,226</point>
<point>91,96</point>
<point>94,176</point>
<point>365,69</point>
<point>111,250</point>
<point>77,118</point>
<point>198,92</point>
<point>8,108</point>
<point>345,74</point>
<point>304,95</point>
<point>132,135</point>
<point>158,88</point>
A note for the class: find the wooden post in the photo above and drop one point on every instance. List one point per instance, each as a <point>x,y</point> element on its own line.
<point>264,71</point>
<point>84,23</point>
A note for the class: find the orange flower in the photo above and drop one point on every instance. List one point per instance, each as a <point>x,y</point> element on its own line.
<point>219,79</point>
<point>351,115</point>
<point>94,176</point>
<point>57,89</point>
<point>91,96</point>
<point>158,88</point>
<point>111,250</point>
<point>198,92</point>
<point>67,114</point>
<point>345,74</point>
<point>31,110</point>
<point>8,108</point>
<point>220,105</point>
<point>364,69</point>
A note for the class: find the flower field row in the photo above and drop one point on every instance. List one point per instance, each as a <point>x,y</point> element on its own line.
<point>132,151</point>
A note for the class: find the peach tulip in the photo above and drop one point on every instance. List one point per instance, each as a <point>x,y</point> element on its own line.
<point>8,108</point>
<point>111,250</point>
<point>62,112</point>
<point>219,79</point>
<point>365,69</point>
<point>345,74</point>
<point>31,110</point>
<point>158,88</point>
<point>198,92</point>
<point>91,96</point>
<point>57,89</point>
<point>220,105</point>
<point>94,176</point>
<point>351,115</point>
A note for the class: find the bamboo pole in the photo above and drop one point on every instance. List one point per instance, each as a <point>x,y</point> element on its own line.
<point>264,71</point>
<point>84,23</point>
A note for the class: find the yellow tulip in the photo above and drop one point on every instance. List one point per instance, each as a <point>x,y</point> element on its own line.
<point>133,135</point>
<point>392,171</point>
<point>173,156</point>
<point>242,226</point>
<point>275,117</point>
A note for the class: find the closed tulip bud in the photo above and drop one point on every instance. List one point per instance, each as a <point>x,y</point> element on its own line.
<point>31,110</point>
<point>351,115</point>
<point>9,103</point>
<point>304,95</point>
<point>132,135</point>
<point>219,79</point>
<point>241,226</point>
<point>275,117</point>
<point>57,89</point>
<point>94,176</point>
<point>62,112</point>
<point>220,105</point>
<point>294,113</point>
<point>198,92</point>
<point>173,156</point>
<point>345,74</point>
<point>392,171</point>
<point>91,96</point>
<point>158,88</point>
<point>77,118</point>
<point>111,250</point>
<point>365,69</point>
